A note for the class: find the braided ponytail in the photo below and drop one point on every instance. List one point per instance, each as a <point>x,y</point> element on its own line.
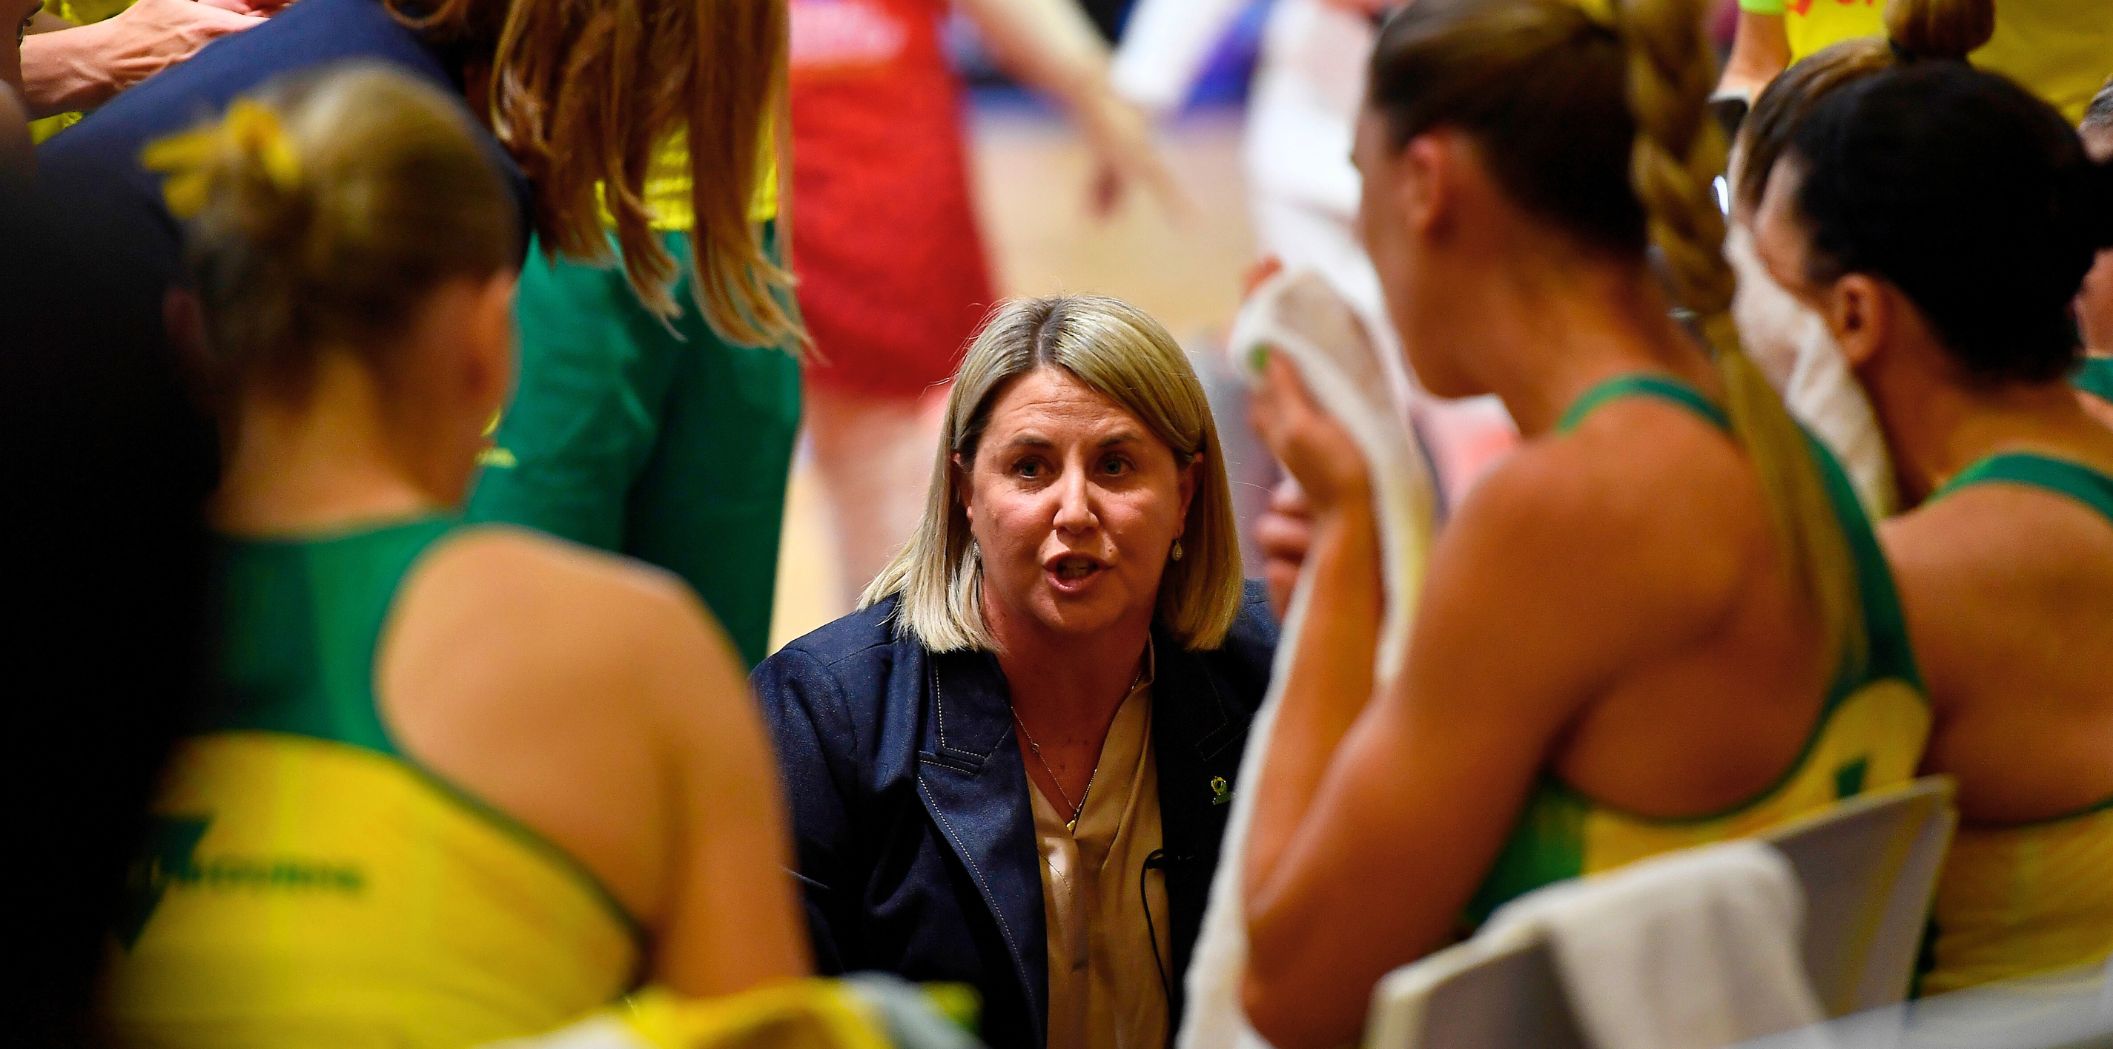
<point>1677,154</point>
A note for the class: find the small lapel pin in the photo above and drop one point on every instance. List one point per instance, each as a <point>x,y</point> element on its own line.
<point>1221,791</point>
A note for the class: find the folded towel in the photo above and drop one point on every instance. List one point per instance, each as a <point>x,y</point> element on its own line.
<point>1691,950</point>
<point>1299,314</point>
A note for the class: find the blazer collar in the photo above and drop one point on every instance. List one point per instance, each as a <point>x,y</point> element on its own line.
<point>972,782</point>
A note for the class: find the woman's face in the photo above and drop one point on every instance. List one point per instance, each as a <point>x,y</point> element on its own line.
<point>1395,211</point>
<point>1075,506</point>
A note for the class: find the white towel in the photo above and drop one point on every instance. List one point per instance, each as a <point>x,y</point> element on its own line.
<point>1299,315</point>
<point>1691,950</point>
<point>1793,347</point>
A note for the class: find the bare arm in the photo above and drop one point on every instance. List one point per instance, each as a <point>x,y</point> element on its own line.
<point>1049,45</point>
<point>83,67</point>
<point>734,918</point>
<point>1759,50</point>
<point>1534,603</point>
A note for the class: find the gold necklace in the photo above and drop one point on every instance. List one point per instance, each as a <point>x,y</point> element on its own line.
<point>1035,747</point>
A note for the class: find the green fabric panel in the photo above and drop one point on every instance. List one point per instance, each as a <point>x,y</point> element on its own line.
<point>1661,387</point>
<point>2060,476</point>
<point>2095,377</point>
<point>1547,846</point>
<point>656,440</point>
<point>1849,779</point>
<point>301,621</point>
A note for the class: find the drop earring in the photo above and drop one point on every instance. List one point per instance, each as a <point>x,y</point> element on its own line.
<point>1175,553</point>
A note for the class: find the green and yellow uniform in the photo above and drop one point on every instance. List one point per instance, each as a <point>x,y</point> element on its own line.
<point>2095,377</point>
<point>659,440</point>
<point>2058,48</point>
<point>1869,734</point>
<point>307,883</point>
<point>2024,898</point>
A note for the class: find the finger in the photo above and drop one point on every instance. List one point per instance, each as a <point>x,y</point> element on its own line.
<point>1283,538</point>
<point>1289,500</point>
<point>221,21</point>
<point>1260,270</point>
<point>1287,389</point>
<point>1279,579</point>
<point>1105,193</point>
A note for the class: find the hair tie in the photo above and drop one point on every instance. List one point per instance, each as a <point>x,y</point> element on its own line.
<point>1599,12</point>
<point>190,158</point>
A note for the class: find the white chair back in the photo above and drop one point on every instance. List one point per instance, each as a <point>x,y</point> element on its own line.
<point>1473,996</point>
<point>1869,870</point>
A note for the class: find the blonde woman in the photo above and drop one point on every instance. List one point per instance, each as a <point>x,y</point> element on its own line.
<point>1665,621</point>
<point>1009,768</point>
<point>453,783</point>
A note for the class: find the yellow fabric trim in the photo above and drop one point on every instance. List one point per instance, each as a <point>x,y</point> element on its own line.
<point>1883,725</point>
<point>2016,901</point>
<point>810,1014</point>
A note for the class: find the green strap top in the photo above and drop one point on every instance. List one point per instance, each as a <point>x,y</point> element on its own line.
<point>1642,385</point>
<point>2095,377</point>
<point>301,620</point>
<point>2060,476</point>
<point>301,627</point>
<point>1562,833</point>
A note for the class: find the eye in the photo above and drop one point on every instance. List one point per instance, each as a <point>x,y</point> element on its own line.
<point>1029,469</point>
<point>1116,465</point>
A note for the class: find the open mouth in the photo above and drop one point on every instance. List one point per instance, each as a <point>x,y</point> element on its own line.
<point>1073,568</point>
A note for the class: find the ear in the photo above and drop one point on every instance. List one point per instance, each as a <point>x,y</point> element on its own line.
<point>1425,177</point>
<point>488,360</point>
<point>966,490</point>
<point>1859,313</point>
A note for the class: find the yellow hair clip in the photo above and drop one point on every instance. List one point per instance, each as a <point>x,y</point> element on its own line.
<point>188,158</point>
<point>1601,12</point>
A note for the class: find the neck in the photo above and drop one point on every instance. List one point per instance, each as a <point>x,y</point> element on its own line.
<point>1934,429</point>
<point>315,466</point>
<point>1553,333</point>
<point>1068,688</point>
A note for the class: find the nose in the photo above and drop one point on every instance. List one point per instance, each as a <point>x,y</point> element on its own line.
<point>1074,510</point>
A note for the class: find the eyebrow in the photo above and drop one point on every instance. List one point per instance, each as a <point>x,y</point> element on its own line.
<point>1031,439</point>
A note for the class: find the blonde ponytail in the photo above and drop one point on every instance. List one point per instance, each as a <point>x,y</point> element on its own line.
<point>1678,153</point>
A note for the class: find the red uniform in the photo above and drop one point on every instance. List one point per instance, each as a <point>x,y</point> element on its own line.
<point>885,242</point>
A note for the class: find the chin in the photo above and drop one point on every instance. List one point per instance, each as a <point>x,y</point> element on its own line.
<point>1081,617</point>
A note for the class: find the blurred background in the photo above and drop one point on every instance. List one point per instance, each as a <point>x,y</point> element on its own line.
<point>1031,173</point>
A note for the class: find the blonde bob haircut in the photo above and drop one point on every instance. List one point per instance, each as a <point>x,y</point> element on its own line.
<point>1120,353</point>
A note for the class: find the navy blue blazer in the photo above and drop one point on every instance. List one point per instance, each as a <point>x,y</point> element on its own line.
<point>916,844</point>
<point>94,168</point>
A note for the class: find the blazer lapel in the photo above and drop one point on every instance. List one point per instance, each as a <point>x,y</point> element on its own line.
<point>1197,737</point>
<point>972,782</point>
